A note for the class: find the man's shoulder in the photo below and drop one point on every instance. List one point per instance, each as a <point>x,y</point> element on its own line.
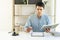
<point>33,15</point>
<point>45,15</point>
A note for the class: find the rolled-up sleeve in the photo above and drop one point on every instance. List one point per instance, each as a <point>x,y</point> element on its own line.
<point>28,23</point>
<point>49,21</point>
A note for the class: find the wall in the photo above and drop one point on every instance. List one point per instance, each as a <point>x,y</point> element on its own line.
<point>49,9</point>
<point>5,15</point>
<point>58,15</point>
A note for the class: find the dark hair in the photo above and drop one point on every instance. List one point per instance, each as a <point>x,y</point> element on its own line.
<point>40,4</point>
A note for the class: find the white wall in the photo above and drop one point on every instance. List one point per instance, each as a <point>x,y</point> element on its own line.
<point>58,14</point>
<point>49,9</point>
<point>5,15</point>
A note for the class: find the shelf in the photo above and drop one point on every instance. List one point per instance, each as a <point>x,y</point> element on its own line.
<point>24,9</point>
<point>33,1</point>
<point>20,1</point>
<point>21,15</point>
<point>24,4</point>
<point>27,1</point>
<point>30,15</point>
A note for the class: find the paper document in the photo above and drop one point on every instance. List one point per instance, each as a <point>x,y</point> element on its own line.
<point>37,34</point>
<point>57,34</point>
<point>49,26</point>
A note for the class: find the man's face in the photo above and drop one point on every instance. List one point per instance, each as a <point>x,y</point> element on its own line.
<point>39,10</point>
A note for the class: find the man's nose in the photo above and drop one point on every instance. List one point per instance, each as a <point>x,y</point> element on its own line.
<point>39,10</point>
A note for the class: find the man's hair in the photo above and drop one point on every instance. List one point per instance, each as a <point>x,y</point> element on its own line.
<point>40,4</point>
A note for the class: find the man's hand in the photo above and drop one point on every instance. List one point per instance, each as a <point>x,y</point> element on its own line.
<point>47,30</point>
<point>28,29</point>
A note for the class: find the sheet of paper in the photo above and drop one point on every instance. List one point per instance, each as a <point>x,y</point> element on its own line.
<point>56,34</point>
<point>49,26</point>
<point>37,34</point>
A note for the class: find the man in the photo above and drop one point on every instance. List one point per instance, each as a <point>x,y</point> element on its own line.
<point>37,20</point>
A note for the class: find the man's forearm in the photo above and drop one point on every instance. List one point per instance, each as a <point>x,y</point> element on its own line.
<point>28,29</point>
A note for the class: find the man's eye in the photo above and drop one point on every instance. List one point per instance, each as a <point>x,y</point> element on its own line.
<point>37,9</point>
<point>40,9</point>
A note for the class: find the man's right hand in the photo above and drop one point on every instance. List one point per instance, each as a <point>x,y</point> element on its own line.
<point>28,29</point>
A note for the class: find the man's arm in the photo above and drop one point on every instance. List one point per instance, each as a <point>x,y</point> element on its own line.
<point>28,27</point>
<point>48,22</point>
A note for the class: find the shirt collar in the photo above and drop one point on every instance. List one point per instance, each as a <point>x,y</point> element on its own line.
<point>37,16</point>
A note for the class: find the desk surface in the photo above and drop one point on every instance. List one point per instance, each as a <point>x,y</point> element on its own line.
<point>24,36</point>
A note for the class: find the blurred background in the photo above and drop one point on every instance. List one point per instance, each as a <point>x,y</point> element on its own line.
<point>16,12</point>
<point>24,8</point>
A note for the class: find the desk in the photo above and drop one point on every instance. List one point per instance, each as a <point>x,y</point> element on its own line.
<point>27,36</point>
<point>4,35</point>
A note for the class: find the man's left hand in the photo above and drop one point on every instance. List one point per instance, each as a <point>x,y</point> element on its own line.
<point>47,30</point>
